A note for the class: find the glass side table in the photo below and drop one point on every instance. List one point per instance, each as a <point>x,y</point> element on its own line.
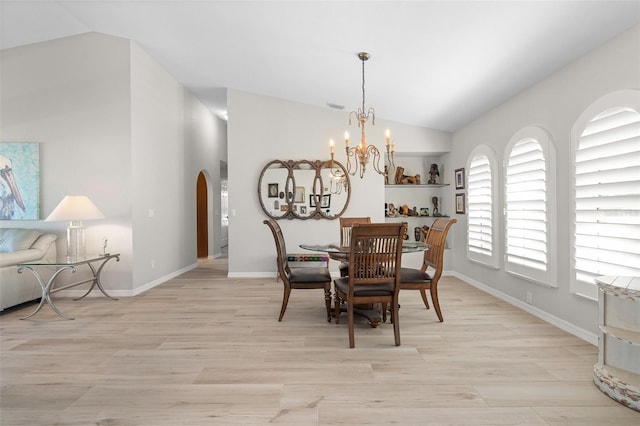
<point>94,262</point>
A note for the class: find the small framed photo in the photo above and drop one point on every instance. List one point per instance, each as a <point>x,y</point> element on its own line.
<point>299,195</point>
<point>460,204</point>
<point>273,190</point>
<point>459,178</point>
<point>326,201</point>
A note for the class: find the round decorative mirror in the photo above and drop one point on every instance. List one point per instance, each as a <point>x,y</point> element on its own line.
<point>304,189</point>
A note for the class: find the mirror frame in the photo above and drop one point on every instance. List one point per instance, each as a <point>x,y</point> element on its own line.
<point>316,190</point>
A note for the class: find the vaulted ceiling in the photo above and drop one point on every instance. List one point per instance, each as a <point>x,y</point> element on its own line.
<point>436,64</point>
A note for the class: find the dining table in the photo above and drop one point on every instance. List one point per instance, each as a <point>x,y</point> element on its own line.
<point>407,247</point>
<point>341,253</point>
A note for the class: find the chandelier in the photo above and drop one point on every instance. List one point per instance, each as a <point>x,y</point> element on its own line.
<point>358,156</point>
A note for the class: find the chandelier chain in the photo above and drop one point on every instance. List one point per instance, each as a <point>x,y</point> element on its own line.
<point>363,110</point>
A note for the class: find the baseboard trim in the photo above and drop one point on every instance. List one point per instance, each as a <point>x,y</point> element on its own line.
<point>251,275</point>
<point>543,315</point>
<point>129,293</point>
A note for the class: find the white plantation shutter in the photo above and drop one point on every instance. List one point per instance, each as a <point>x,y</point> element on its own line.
<point>607,198</point>
<point>480,232</point>
<point>526,217</point>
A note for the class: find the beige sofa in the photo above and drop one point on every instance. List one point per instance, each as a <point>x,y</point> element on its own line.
<point>18,245</point>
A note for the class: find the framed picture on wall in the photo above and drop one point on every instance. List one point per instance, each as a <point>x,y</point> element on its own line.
<point>326,201</point>
<point>298,195</point>
<point>459,178</point>
<point>460,201</point>
<point>20,190</point>
<point>273,190</point>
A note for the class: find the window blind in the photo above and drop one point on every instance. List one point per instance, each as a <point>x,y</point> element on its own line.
<point>607,196</point>
<point>480,215</point>
<point>526,210</point>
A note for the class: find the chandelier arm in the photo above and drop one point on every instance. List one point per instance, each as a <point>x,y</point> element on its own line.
<point>376,159</point>
<point>351,154</point>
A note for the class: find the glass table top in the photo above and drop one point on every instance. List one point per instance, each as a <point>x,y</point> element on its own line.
<point>407,247</point>
<point>65,261</point>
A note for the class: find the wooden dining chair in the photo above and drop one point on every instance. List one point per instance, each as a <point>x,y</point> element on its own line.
<point>298,278</point>
<point>345,238</point>
<point>375,252</point>
<point>420,279</point>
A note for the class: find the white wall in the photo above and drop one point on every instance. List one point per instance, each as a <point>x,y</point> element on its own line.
<point>112,124</point>
<point>72,96</point>
<point>554,104</point>
<point>262,129</point>
<point>205,146</point>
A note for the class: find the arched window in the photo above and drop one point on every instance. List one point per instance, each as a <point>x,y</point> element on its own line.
<point>529,221</point>
<point>481,219</point>
<point>606,225</point>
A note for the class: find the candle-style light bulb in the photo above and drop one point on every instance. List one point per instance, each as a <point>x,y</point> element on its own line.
<point>346,138</point>
<point>388,136</point>
<point>331,145</point>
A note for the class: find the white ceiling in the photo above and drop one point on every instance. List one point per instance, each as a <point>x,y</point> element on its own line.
<point>437,64</point>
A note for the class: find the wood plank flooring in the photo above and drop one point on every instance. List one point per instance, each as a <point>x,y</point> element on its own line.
<point>203,349</point>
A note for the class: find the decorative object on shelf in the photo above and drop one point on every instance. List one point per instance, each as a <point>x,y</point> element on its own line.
<point>434,201</point>
<point>363,152</point>
<point>405,210</point>
<point>459,178</point>
<point>104,246</point>
<point>273,190</point>
<point>402,179</point>
<point>392,210</point>
<point>460,204</point>
<point>434,175</point>
<point>75,209</point>
<point>425,231</point>
<point>424,211</point>
<point>420,232</point>
<point>281,195</point>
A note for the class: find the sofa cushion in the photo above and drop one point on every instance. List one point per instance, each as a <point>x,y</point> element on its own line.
<point>21,256</point>
<point>44,241</point>
<point>14,239</point>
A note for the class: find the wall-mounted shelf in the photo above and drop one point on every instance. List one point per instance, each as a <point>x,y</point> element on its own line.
<point>405,218</point>
<point>440,185</point>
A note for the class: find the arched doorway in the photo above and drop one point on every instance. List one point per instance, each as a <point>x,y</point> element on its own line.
<point>202,216</point>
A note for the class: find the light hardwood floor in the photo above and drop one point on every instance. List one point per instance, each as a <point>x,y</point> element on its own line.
<point>204,349</point>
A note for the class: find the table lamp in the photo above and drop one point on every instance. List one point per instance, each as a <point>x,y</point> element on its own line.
<point>75,209</point>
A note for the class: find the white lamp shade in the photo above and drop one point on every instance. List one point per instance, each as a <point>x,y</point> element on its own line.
<point>75,207</point>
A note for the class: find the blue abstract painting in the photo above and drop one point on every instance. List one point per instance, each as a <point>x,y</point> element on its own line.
<point>19,181</point>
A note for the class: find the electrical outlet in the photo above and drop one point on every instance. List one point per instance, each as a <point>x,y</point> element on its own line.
<point>529,297</point>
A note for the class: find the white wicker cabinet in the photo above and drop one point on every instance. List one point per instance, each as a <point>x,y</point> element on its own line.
<point>617,372</point>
